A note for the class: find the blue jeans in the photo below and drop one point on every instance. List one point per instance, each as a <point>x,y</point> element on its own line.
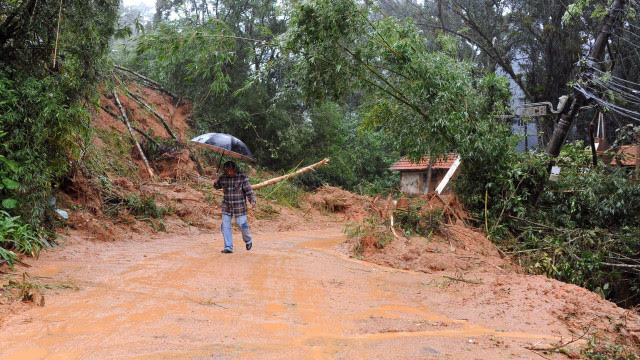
<point>241,221</point>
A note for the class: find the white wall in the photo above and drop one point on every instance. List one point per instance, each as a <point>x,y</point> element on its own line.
<point>411,183</point>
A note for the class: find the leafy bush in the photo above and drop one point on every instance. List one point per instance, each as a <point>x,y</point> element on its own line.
<point>18,237</point>
<point>373,231</point>
<point>145,206</point>
<point>583,230</point>
<point>596,350</point>
<point>415,221</point>
<point>43,106</point>
<point>8,185</point>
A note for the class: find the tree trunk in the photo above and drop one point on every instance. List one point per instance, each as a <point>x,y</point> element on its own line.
<point>429,171</point>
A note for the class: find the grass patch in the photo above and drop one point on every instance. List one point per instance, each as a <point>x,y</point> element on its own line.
<point>115,155</point>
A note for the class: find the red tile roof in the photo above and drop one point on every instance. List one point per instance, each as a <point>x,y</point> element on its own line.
<point>405,165</point>
<point>627,156</point>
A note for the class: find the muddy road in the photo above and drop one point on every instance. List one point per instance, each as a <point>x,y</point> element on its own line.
<point>291,297</point>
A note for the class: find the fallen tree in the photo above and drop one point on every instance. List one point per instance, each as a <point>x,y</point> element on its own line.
<point>325,161</point>
<point>276,180</point>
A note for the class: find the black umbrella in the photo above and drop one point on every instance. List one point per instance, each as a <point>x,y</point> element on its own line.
<point>225,144</point>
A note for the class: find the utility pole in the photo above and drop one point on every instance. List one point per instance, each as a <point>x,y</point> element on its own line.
<point>577,99</point>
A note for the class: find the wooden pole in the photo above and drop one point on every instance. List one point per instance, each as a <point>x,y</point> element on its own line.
<point>268,182</point>
<point>576,99</point>
<point>133,136</point>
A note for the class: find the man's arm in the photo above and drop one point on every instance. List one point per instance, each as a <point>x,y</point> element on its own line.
<point>248,190</point>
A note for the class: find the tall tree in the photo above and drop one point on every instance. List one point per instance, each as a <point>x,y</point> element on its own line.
<point>527,39</point>
<point>425,99</point>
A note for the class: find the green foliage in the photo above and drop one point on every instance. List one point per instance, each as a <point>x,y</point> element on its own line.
<point>8,186</point>
<point>372,231</point>
<point>359,157</point>
<point>283,193</point>
<point>181,53</point>
<point>426,100</point>
<point>41,106</point>
<point>416,221</point>
<point>597,350</point>
<point>240,84</point>
<point>113,156</point>
<point>583,230</point>
<point>587,197</point>
<point>145,206</point>
<point>18,237</point>
<point>138,206</point>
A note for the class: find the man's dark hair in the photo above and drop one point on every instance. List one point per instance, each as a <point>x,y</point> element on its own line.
<point>230,165</point>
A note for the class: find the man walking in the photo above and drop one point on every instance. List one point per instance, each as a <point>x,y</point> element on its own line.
<point>237,190</point>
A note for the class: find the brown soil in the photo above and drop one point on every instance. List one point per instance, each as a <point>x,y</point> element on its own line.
<point>130,286</point>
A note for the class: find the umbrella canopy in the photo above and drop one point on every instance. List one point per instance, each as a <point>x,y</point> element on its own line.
<point>225,144</point>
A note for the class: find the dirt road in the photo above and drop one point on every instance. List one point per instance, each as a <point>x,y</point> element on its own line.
<point>291,297</point>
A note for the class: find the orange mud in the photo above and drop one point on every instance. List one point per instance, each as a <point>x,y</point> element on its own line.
<point>293,296</point>
<point>290,297</point>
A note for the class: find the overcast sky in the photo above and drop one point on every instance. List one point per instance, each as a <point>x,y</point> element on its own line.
<point>151,3</point>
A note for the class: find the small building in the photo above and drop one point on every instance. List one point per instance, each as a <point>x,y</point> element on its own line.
<point>627,156</point>
<point>414,175</point>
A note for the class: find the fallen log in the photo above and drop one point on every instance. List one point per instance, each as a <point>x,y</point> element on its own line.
<point>133,136</point>
<point>145,105</point>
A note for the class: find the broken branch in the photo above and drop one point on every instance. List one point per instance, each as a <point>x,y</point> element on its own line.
<point>145,105</point>
<point>561,345</point>
<point>449,208</point>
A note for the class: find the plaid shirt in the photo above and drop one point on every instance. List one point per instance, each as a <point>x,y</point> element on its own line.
<point>236,189</point>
